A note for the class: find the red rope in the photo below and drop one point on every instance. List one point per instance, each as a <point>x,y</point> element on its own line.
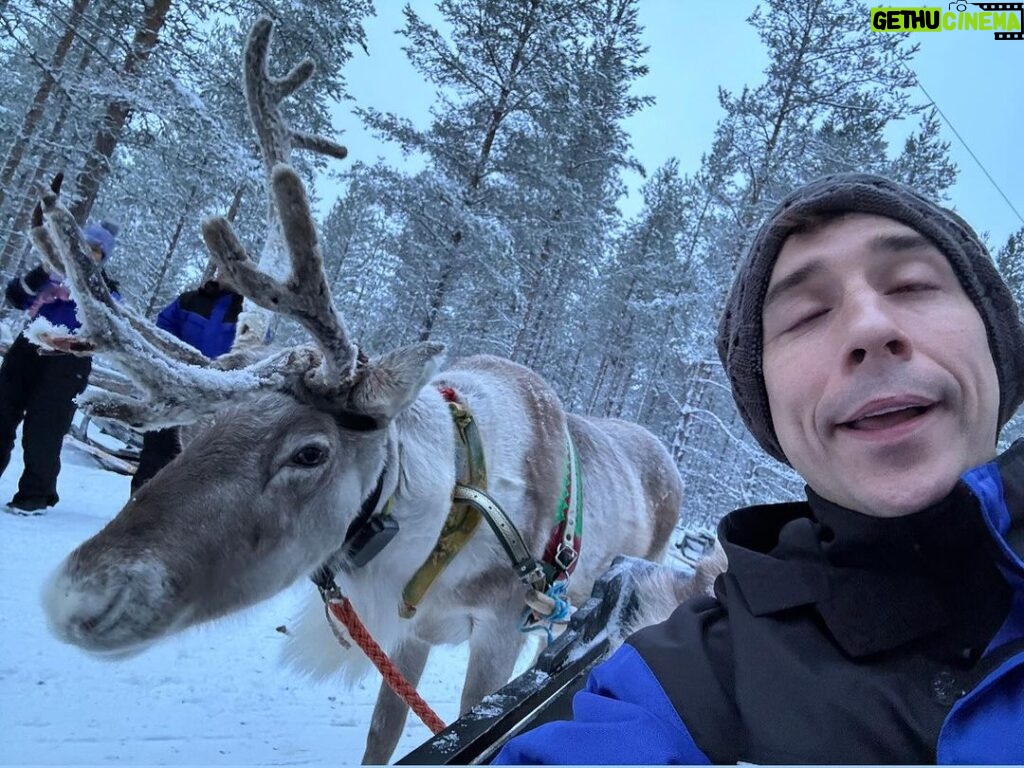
<point>343,611</point>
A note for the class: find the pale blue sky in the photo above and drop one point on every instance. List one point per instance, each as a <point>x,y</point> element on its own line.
<point>695,47</point>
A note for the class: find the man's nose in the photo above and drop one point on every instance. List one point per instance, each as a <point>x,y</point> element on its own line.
<point>872,331</point>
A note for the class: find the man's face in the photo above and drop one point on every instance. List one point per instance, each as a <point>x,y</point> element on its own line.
<point>96,252</point>
<point>880,380</point>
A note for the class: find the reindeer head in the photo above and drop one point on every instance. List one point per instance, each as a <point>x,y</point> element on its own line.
<point>261,497</point>
<point>297,443</point>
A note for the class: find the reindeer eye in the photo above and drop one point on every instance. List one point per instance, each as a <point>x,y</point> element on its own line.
<point>309,456</point>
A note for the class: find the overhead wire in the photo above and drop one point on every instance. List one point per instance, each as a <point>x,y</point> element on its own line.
<point>969,150</point>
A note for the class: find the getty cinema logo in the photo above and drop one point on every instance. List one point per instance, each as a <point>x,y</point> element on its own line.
<point>1004,19</point>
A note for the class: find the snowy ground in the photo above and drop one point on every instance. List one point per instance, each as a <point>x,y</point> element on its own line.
<point>216,695</point>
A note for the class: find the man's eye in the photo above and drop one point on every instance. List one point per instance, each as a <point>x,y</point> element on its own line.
<point>807,319</point>
<point>309,456</point>
<point>912,288</point>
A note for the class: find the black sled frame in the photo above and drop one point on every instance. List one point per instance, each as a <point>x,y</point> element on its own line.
<point>545,691</point>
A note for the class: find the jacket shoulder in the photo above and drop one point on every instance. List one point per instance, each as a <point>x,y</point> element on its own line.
<point>622,697</point>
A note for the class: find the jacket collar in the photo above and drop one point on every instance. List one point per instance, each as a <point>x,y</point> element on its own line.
<point>877,583</point>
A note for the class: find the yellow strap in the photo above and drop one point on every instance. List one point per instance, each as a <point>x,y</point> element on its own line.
<point>462,520</point>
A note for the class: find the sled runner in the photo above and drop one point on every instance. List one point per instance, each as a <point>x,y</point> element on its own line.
<point>116,447</point>
<point>109,461</point>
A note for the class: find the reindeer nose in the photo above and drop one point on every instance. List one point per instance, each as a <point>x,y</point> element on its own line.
<point>77,615</point>
<point>102,611</point>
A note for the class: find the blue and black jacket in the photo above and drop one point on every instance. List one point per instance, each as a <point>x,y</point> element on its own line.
<point>834,637</point>
<point>41,294</point>
<point>205,319</point>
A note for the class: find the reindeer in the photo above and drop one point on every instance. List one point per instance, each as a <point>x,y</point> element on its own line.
<point>303,442</point>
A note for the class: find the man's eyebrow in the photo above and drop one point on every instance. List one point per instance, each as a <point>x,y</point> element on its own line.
<point>900,242</point>
<point>791,281</point>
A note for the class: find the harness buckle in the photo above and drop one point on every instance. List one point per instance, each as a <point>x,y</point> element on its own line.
<point>532,575</point>
<point>565,556</point>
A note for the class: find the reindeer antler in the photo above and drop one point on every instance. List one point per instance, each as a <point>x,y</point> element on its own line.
<point>38,236</point>
<point>99,315</point>
<point>263,95</point>
<point>304,295</point>
<point>179,384</point>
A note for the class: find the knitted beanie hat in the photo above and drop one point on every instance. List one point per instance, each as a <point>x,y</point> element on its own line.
<point>103,235</point>
<point>740,334</point>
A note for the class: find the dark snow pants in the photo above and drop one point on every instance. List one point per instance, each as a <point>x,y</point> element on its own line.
<point>158,448</point>
<point>39,389</point>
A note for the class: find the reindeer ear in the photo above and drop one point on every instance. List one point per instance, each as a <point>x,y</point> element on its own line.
<point>390,383</point>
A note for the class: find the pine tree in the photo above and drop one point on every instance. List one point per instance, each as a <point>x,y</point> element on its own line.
<point>644,291</point>
<point>1010,263</point>
<point>147,115</point>
<point>830,91</point>
<point>529,90</point>
<point>576,157</point>
<point>117,110</point>
<point>33,115</point>
<point>924,163</point>
<point>360,246</point>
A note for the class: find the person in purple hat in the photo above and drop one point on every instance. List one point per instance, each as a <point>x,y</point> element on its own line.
<point>37,389</point>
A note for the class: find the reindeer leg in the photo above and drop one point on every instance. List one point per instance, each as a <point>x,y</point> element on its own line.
<point>494,646</point>
<point>390,712</point>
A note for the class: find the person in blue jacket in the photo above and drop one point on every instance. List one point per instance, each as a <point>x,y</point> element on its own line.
<point>206,320</point>
<point>38,388</point>
<point>871,345</point>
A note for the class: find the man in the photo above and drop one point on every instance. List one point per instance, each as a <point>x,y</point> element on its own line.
<point>39,387</point>
<point>204,319</point>
<point>870,344</point>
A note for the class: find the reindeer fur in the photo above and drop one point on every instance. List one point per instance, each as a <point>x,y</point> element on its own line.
<point>664,588</point>
<point>217,531</point>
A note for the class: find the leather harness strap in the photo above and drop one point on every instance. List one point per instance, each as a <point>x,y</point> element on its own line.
<point>471,503</point>
<point>563,548</point>
<point>526,567</point>
<point>374,527</point>
<point>463,518</point>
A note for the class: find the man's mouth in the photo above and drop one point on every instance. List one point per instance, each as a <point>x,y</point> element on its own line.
<point>886,417</point>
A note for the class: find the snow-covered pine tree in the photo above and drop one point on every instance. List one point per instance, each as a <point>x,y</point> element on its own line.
<point>570,179</point>
<point>643,295</point>
<point>514,150</point>
<point>360,247</point>
<point>1010,263</point>
<point>924,163</point>
<point>49,72</point>
<point>831,89</point>
<point>48,63</point>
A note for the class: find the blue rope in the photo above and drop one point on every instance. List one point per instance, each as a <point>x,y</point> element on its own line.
<point>559,614</point>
